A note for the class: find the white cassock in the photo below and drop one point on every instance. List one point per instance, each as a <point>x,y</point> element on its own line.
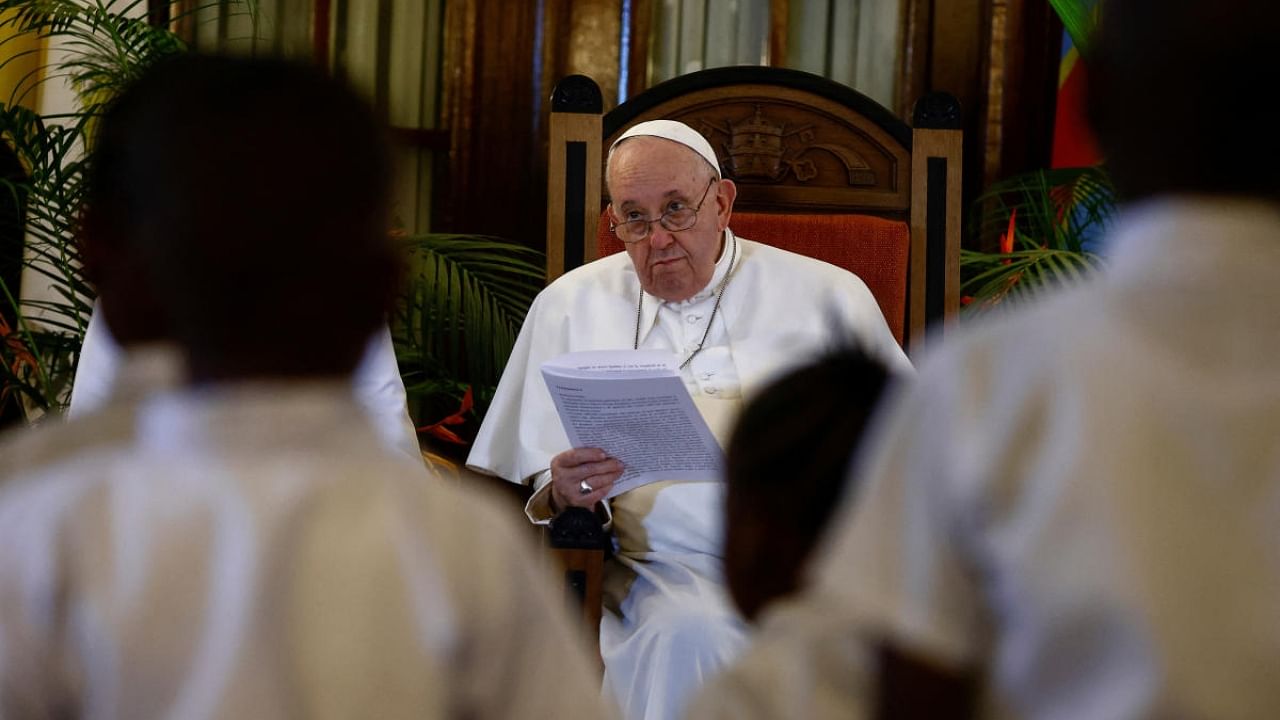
<point>1081,502</point>
<point>671,623</point>
<point>377,383</point>
<point>256,551</point>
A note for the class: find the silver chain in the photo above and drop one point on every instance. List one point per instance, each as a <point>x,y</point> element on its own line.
<point>724,281</point>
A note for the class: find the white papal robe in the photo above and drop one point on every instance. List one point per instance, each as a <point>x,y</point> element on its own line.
<point>377,382</point>
<point>671,623</point>
<point>1081,502</point>
<point>256,552</point>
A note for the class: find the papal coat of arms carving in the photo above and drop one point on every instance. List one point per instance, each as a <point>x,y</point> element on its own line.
<point>761,149</point>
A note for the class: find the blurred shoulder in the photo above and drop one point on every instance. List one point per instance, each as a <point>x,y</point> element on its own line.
<point>55,441</point>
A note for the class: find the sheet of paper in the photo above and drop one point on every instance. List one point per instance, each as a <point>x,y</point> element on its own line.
<point>629,363</point>
<point>633,405</point>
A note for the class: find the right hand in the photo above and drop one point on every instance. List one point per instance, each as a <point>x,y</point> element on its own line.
<point>570,468</point>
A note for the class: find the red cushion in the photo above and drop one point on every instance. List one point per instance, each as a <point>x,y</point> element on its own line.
<point>874,249</point>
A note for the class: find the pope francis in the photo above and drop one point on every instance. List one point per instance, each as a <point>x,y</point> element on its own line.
<point>734,313</point>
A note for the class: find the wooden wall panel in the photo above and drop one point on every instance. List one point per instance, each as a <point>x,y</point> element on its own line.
<point>502,59</point>
<point>492,184</point>
<point>958,38</point>
<point>999,58</point>
<point>1022,82</point>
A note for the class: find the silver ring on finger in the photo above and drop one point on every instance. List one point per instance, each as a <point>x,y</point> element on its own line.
<point>584,488</point>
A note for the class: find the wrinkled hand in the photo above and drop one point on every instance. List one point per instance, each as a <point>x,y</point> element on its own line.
<point>571,467</point>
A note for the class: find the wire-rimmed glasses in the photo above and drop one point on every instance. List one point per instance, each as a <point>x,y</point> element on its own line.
<point>675,220</point>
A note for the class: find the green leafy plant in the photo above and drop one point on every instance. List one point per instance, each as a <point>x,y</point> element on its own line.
<point>104,45</point>
<point>1046,220</point>
<point>463,305</point>
<point>41,344</point>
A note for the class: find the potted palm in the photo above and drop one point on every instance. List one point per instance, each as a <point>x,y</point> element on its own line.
<point>454,325</point>
<point>1046,220</point>
<point>106,47</point>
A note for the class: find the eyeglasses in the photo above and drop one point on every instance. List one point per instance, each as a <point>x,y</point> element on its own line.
<point>673,220</point>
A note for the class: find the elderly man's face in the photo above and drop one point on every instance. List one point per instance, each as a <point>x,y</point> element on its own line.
<point>649,176</point>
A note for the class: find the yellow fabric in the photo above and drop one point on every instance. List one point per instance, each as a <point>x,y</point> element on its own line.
<point>20,63</point>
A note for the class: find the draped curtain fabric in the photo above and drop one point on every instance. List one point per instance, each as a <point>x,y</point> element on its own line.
<point>388,49</point>
<point>392,49</point>
<point>854,42</point>
<point>280,26</point>
<point>691,35</point>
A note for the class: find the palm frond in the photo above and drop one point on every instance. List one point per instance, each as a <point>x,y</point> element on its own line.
<point>1059,208</point>
<point>1078,19</point>
<point>1056,216</point>
<point>992,278</point>
<point>108,42</point>
<point>105,45</point>
<point>465,300</point>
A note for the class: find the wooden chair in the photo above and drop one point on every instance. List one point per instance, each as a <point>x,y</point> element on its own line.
<point>821,170</point>
<point>579,544</point>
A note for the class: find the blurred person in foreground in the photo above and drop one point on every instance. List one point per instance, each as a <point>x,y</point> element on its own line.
<point>786,470</point>
<point>243,545</point>
<point>1077,508</point>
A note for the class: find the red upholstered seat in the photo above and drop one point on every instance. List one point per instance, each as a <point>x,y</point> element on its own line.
<point>875,249</point>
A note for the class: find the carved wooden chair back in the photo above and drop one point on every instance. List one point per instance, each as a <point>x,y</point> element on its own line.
<point>821,170</point>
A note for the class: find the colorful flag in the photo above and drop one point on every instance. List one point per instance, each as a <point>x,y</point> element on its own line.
<point>1073,143</point>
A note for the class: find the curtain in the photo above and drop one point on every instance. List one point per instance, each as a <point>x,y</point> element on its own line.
<point>388,49</point>
<point>392,50</point>
<point>854,42</point>
<point>690,35</point>
<point>236,26</point>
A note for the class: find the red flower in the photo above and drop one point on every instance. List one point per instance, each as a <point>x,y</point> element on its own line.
<point>21,355</point>
<point>438,429</point>
<point>1006,240</point>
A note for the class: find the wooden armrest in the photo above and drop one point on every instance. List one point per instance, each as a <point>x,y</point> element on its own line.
<point>579,542</point>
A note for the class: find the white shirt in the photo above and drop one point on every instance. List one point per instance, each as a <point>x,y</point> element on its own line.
<point>1080,501</point>
<point>670,622</point>
<point>255,552</point>
<point>377,382</point>
<point>779,311</point>
<point>692,329</point>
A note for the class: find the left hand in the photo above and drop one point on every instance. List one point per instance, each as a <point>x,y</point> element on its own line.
<point>571,468</point>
